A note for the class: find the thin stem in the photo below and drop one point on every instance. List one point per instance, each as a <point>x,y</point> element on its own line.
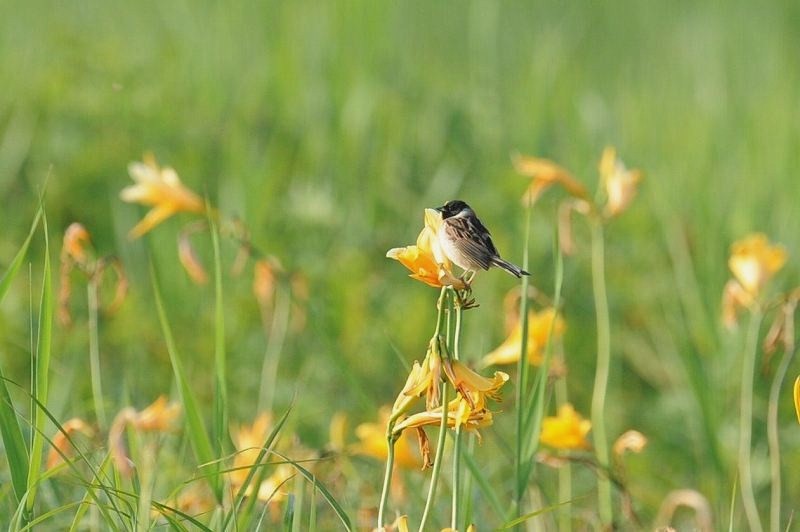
<point>277,337</point>
<point>387,477</point>
<point>745,422</point>
<point>458,438</point>
<point>437,462</point>
<point>602,371</point>
<point>774,442</point>
<point>564,472</point>
<point>522,375</point>
<point>94,351</point>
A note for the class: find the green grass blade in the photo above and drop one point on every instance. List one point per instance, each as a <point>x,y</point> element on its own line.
<point>13,442</point>
<point>521,519</point>
<point>483,483</point>
<point>198,436</point>
<point>256,472</point>
<point>19,258</point>
<point>329,498</point>
<point>220,428</point>
<point>10,430</point>
<point>41,373</point>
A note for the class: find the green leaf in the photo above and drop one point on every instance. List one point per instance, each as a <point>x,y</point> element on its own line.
<point>337,508</point>
<point>198,435</point>
<point>19,258</point>
<point>220,363</point>
<point>41,365</point>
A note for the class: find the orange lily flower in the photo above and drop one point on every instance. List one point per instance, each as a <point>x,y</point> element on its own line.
<point>544,174</point>
<point>61,444</point>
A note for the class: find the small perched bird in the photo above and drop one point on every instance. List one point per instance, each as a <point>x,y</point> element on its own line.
<point>467,242</point>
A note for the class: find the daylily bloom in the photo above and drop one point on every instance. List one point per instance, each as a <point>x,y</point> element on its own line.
<point>426,260</point>
<point>158,417</point>
<point>754,261</point>
<point>797,398</point>
<point>61,444</point>
<point>620,183</point>
<point>460,413</point>
<point>248,440</point>
<point>160,188</point>
<point>473,387</point>
<point>565,431</point>
<point>544,174</point>
<point>539,326</point>
<point>372,442</point>
<point>423,378</point>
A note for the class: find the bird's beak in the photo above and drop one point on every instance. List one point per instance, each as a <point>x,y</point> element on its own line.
<point>438,209</point>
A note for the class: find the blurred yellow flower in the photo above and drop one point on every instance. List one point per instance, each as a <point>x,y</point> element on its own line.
<point>565,431</point>
<point>539,327</point>
<point>61,441</point>
<point>248,440</point>
<point>754,261</point>
<point>426,260</point>
<point>75,239</point>
<point>620,183</point>
<point>544,174</point>
<point>372,443</point>
<point>630,440</point>
<point>158,417</point>
<point>160,188</point>
<point>797,398</point>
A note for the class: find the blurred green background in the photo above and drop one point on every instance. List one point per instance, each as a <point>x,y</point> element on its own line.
<point>328,126</point>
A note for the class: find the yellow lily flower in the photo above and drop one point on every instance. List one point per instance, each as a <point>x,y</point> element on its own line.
<point>539,327</point>
<point>544,174</point>
<point>426,260</point>
<point>797,398</point>
<point>372,442</point>
<point>565,431</point>
<point>620,183</point>
<point>473,387</point>
<point>160,188</point>
<point>754,261</point>
<point>459,414</point>
<point>248,440</point>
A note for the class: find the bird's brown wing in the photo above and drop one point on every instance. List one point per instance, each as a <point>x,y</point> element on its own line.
<point>472,240</point>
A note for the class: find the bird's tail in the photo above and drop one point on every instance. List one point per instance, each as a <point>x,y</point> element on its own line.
<point>516,271</point>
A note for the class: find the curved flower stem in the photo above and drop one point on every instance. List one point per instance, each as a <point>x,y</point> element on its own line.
<point>94,351</point>
<point>437,462</point>
<point>774,443</point>
<point>602,370</point>
<point>745,422</point>
<point>387,477</point>
<point>457,437</point>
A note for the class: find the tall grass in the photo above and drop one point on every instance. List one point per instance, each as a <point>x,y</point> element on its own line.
<point>326,129</point>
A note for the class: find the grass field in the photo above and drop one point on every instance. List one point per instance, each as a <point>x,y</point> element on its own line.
<point>326,129</point>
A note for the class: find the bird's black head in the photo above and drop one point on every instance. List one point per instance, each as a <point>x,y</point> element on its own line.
<point>452,208</point>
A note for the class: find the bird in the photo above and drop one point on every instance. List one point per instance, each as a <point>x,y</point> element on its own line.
<point>467,242</point>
